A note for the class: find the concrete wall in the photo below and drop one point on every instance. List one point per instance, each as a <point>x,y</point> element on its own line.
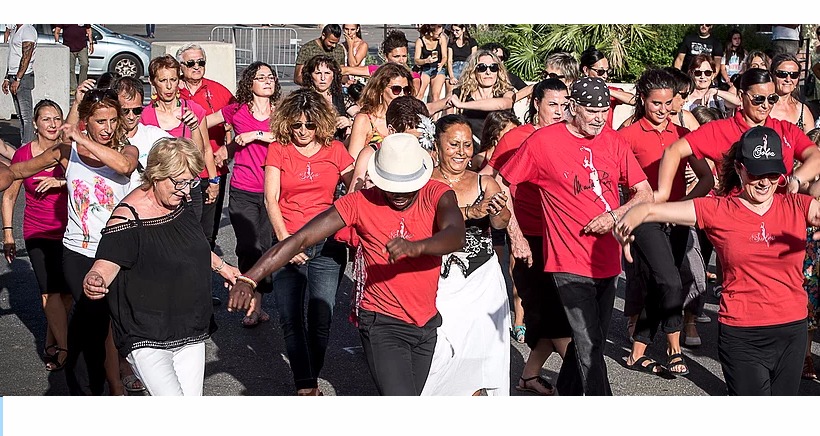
<point>50,77</point>
<point>221,65</point>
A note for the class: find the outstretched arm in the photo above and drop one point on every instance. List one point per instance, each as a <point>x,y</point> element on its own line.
<point>676,212</point>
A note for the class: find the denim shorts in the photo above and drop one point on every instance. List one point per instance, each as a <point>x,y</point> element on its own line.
<point>458,67</point>
<point>431,70</point>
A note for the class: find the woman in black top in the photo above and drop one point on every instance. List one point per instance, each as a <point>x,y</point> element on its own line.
<point>152,262</point>
<point>324,75</point>
<point>431,57</point>
<point>460,47</point>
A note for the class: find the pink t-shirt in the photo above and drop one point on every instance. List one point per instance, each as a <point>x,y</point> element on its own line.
<point>46,213</point>
<point>249,160</point>
<point>307,183</point>
<point>149,118</point>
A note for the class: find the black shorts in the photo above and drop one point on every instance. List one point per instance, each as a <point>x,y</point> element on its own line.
<point>544,314</point>
<point>46,256</point>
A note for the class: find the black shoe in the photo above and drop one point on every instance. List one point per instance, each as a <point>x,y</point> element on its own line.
<point>215,300</point>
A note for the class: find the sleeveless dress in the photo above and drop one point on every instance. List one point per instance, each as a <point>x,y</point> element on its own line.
<point>473,347</point>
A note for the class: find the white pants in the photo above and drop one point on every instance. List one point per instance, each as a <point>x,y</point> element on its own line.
<point>177,371</point>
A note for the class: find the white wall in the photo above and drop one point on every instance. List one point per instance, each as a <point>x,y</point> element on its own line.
<point>221,59</point>
<point>50,77</point>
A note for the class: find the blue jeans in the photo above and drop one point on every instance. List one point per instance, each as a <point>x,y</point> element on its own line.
<point>306,335</point>
<point>458,67</point>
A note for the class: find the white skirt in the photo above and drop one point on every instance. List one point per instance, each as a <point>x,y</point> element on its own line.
<point>473,346</point>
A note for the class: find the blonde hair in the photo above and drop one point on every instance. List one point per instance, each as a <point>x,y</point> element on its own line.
<point>469,83</point>
<point>170,157</point>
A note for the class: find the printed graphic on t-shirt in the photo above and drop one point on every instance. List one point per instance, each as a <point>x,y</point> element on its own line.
<point>308,174</point>
<point>597,179</point>
<point>763,235</point>
<point>697,48</point>
<point>402,232</point>
<point>82,202</point>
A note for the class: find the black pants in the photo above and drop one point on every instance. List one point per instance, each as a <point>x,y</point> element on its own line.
<point>254,234</point>
<point>659,249</point>
<point>87,330</point>
<point>762,360</point>
<point>212,213</point>
<point>588,304</point>
<point>399,354</point>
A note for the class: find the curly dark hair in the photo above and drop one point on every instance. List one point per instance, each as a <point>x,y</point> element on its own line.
<point>315,62</point>
<point>496,122</point>
<point>395,39</point>
<point>313,106</point>
<point>403,113</point>
<point>244,89</point>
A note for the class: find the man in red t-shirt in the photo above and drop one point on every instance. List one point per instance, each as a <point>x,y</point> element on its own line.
<point>577,167</point>
<point>406,222</point>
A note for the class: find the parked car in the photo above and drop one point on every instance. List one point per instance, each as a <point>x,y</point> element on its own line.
<point>113,52</point>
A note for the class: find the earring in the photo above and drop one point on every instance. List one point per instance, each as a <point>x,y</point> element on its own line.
<point>785,181</point>
<point>469,164</point>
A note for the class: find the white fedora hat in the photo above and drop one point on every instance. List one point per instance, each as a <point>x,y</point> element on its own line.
<point>400,165</point>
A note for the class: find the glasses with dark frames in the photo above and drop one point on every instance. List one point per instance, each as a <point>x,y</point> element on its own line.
<point>757,99</point>
<point>601,71</point>
<point>555,76</point>
<point>774,178</point>
<point>268,78</point>
<point>134,110</point>
<point>780,74</point>
<point>310,125</point>
<point>684,94</point>
<point>397,90</point>
<point>484,67</point>
<point>698,73</point>
<point>191,63</point>
<point>181,184</point>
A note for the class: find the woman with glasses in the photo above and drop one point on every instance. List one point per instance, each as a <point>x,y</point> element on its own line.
<point>759,236</point>
<point>391,80</point>
<point>785,70</point>
<point>484,88</point>
<point>595,64</point>
<point>154,264</point>
<point>44,222</point>
<point>98,164</point>
<point>323,75</point>
<point>703,73</point>
<point>431,57</point>
<point>257,92</point>
<point>181,118</point>
<point>302,169</point>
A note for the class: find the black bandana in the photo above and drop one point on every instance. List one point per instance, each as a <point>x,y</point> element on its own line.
<point>590,92</point>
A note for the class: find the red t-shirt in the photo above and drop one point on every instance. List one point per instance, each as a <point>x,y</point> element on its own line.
<point>578,180</point>
<point>405,290</point>
<point>46,213</point>
<point>648,145</point>
<point>762,258</point>
<point>526,198</point>
<point>149,118</point>
<point>306,184</point>
<point>212,96</point>
<point>713,140</point>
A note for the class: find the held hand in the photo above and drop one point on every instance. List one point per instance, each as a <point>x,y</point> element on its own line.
<point>689,175</point>
<point>245,138</point>
<point>94,286</point>
<point>497,203</point>
<point>9,250</point>
<point>793,185</point>
<point>189,119</point>
<point>90,49</point>
<point>211,193</point>
<point>229,273</point>
<point>70,132</point>
<point>454,101</point>
<point>601,224</point>
<point>343,122</point>
<point>221,156</point>
<point>240,296</point>
<point>46,183</point>
<point>299,259</point>
<point>398,248</point>
<point>521,250</point>
<point>453,81</point>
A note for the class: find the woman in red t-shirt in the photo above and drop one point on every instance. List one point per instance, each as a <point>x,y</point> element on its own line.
<point>760,238</point>
<point>302,171</point>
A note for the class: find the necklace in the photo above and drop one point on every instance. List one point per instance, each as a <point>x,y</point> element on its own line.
<point>449,180</point>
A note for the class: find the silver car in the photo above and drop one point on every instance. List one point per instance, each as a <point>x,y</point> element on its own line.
<point>113,52</point>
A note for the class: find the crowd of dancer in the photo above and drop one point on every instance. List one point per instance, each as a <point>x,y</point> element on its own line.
<point>423,177</point>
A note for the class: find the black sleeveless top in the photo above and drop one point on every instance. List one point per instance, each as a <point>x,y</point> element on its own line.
<point>161,297</point>
<point>478,245</point>
<point>426,53</point>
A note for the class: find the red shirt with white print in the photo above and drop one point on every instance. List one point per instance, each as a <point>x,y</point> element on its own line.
<point>762,258</point>
<point>712,140</point>
<point>648,145</point>
<point>406,289</point>
<point>306,183</point>
<point>578,180</point>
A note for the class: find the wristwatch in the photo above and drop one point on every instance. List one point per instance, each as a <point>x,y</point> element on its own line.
<point>215,180</point>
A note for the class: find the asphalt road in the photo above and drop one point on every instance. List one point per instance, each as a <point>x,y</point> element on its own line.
<point>252,361</point>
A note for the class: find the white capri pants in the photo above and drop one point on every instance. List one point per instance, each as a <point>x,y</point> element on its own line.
<point>176,371</point>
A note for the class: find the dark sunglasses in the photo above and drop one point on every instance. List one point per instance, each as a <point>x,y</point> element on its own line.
<point>780,74</point>
<point>96,95</point>
<point>396,90</point>
<point>310,125</point>
<point>773,177</point>
<point>555,76</point>
<point>601,72</point>
<point>683,95</point>
<point>181,184</point>
<point>134,110</point>
<point>191,63</point>
<point>757,100</point>
<point>698,73</point>
<point>484,67</point>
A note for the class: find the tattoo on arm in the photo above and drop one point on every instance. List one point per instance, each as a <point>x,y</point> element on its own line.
<point>28,51</point>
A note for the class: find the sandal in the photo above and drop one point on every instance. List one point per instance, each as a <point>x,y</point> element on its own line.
<point>541,386</point>
<point>132,383</point>
<point>649,368</point>
<point>255,319</point>
<point>677,360</point>
<point>52,360</point>
<point>519,333</point>
<point>808,369</point>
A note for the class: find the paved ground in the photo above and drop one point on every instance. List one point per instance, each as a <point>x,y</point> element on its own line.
<point>253,362</point>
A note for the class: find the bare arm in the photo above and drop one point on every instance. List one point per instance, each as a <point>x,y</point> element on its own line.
<point>676,212</point>
<point>358,135</point>
<point>679,60</point>
<point>215,118</point>
<point>706,180</point>
<point>670,161</point>
<point>604,223</point>
<point>124,162</point>
<point>57,155</point>
<point>359,175</point>
<point>6,152</point>
<point>417,53</point>
<point>519,247</point>
<point>57,30</point>
<point>28,52</point>
<point>807,171</point>
<point>356,71</point>
<point>623,96</point>
<point>487,104</point>
<point>449,238</point>
<point>808,120</point>
<point>9,199</point>
<point>297,74</point>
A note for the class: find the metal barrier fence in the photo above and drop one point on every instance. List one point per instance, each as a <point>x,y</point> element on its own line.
<point>276,46</point>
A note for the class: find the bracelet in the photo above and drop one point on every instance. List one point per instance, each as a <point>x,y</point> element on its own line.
<point>247,280</point>
<point>219,268</point>
<point>614,217</point>
<point>8,228</point>
<point>465,211</point>
<point>799,183</point>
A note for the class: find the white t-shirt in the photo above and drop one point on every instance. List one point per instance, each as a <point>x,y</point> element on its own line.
<point>25,32</point>
<point>144,140</point>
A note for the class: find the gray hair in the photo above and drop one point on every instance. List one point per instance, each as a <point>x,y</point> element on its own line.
<point>190,46</point>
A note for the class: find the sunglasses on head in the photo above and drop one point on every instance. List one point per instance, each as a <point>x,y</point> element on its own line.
<point>191,63</point>
<point>484,67</point>
<point>757,100</point>
<point>555,76</point>
<point>698,73</point>
<point>780,74</point>
<point>96,95</point>
<point>310,125</point>
<point>134,110</point>
<point>397,90</point>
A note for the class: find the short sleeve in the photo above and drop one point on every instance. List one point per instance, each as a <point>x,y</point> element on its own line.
<point>798,139</point>
<point>705,208</point>
<point>802,203</point>
<point>718,49</point>
<point>305,53</point>
<point>341,157</point>
<point>274,156</point>
<point>20,155</point>
<point>521,167</point>
<point>198,110</point>
<point>347,206</point>
<point>29,34</point>
<point>631,171</point>
<point>700,139</point>
<point>229,111</point>
<point>683,47</point>
<point>120,244</point>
